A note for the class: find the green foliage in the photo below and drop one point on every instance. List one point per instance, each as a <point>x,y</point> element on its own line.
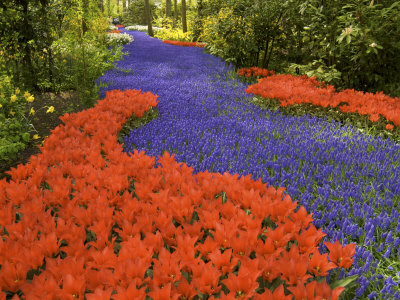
<point>173,34</point>
<point>367,52</point>
<point>317,69</point>
<point>243,32</point>
<point>353,41</point>
<point>164,22</point>
<point>135,13</point>
<point>14,125</point>
<point>55,45</point>
<point>85,55</point>
<point>228,35</point>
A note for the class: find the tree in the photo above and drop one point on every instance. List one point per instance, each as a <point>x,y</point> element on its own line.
<point>148,17</point>
<point>184,23</point>
<point>168,6</point>
<point>175,12</point>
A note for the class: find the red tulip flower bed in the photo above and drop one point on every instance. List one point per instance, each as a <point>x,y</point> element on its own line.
<point>291,90</point>
<point>119,26</point>
<point>255,72</point>
<point>114,31</point>
<point>83,219</point>
<point>185,44</point>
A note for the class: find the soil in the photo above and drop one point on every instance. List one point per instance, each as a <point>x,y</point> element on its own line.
<point>43,123</point>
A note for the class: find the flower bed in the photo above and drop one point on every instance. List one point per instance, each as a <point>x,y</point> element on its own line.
<point>140,28</point>
<point>88,220</point>
<point>185,44</point>
<point>302,89</point>
<point>115,38</point>
<point>347,179</point>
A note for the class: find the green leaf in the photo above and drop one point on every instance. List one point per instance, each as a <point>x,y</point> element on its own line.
<point>343,282</point>
<point>26,137</point>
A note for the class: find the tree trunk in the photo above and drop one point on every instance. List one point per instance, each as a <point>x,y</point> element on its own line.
<point>199,8</point>
<point>264,59</point>
<point>26,37</point>
<point>85,13</point>
<point>123,5</point>
<point>168,7</point>
<point>270,53</point>
<point>118,7</point>
<point>108,7</point>
<point>184,23</point>
<point>148,17</point>
<point>175,12</point>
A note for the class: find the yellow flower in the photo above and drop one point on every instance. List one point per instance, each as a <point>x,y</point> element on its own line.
<point>17,91</point>
<point>13,98</point>
<point>347,30</point>
<point>1,106</point>
<point>30,99</point>
<point>32,112</point>
<point>36,136</point>
<point>27,94</point>
<point>50,110</point>
<point>12,113</point>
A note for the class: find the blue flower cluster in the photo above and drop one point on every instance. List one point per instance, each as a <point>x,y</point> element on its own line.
<point>351,182</point>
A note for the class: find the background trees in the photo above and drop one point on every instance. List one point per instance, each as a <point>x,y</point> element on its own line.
<point>54,45</point>
<point>349,43</point>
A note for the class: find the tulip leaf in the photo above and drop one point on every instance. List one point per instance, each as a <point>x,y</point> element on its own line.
<point>344,282</point>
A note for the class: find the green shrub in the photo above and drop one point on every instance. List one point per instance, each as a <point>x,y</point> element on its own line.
<point>317,69</point>
<point>14,124</point>
<point>173,35</point>
<point>83,58</point>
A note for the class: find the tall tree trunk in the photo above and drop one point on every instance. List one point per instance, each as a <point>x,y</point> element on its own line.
<point>26,37</point>
<point>49,41</point>
<point>118,7</point>
<point>168,6</point>
<point>264,60</point>
<point>85,14</point>
<point>123,5</point>
<point>108,2</point>
<point>148,17</point>
<point>184,23</point>
<point>199,8</point>
<point>175,12</point>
